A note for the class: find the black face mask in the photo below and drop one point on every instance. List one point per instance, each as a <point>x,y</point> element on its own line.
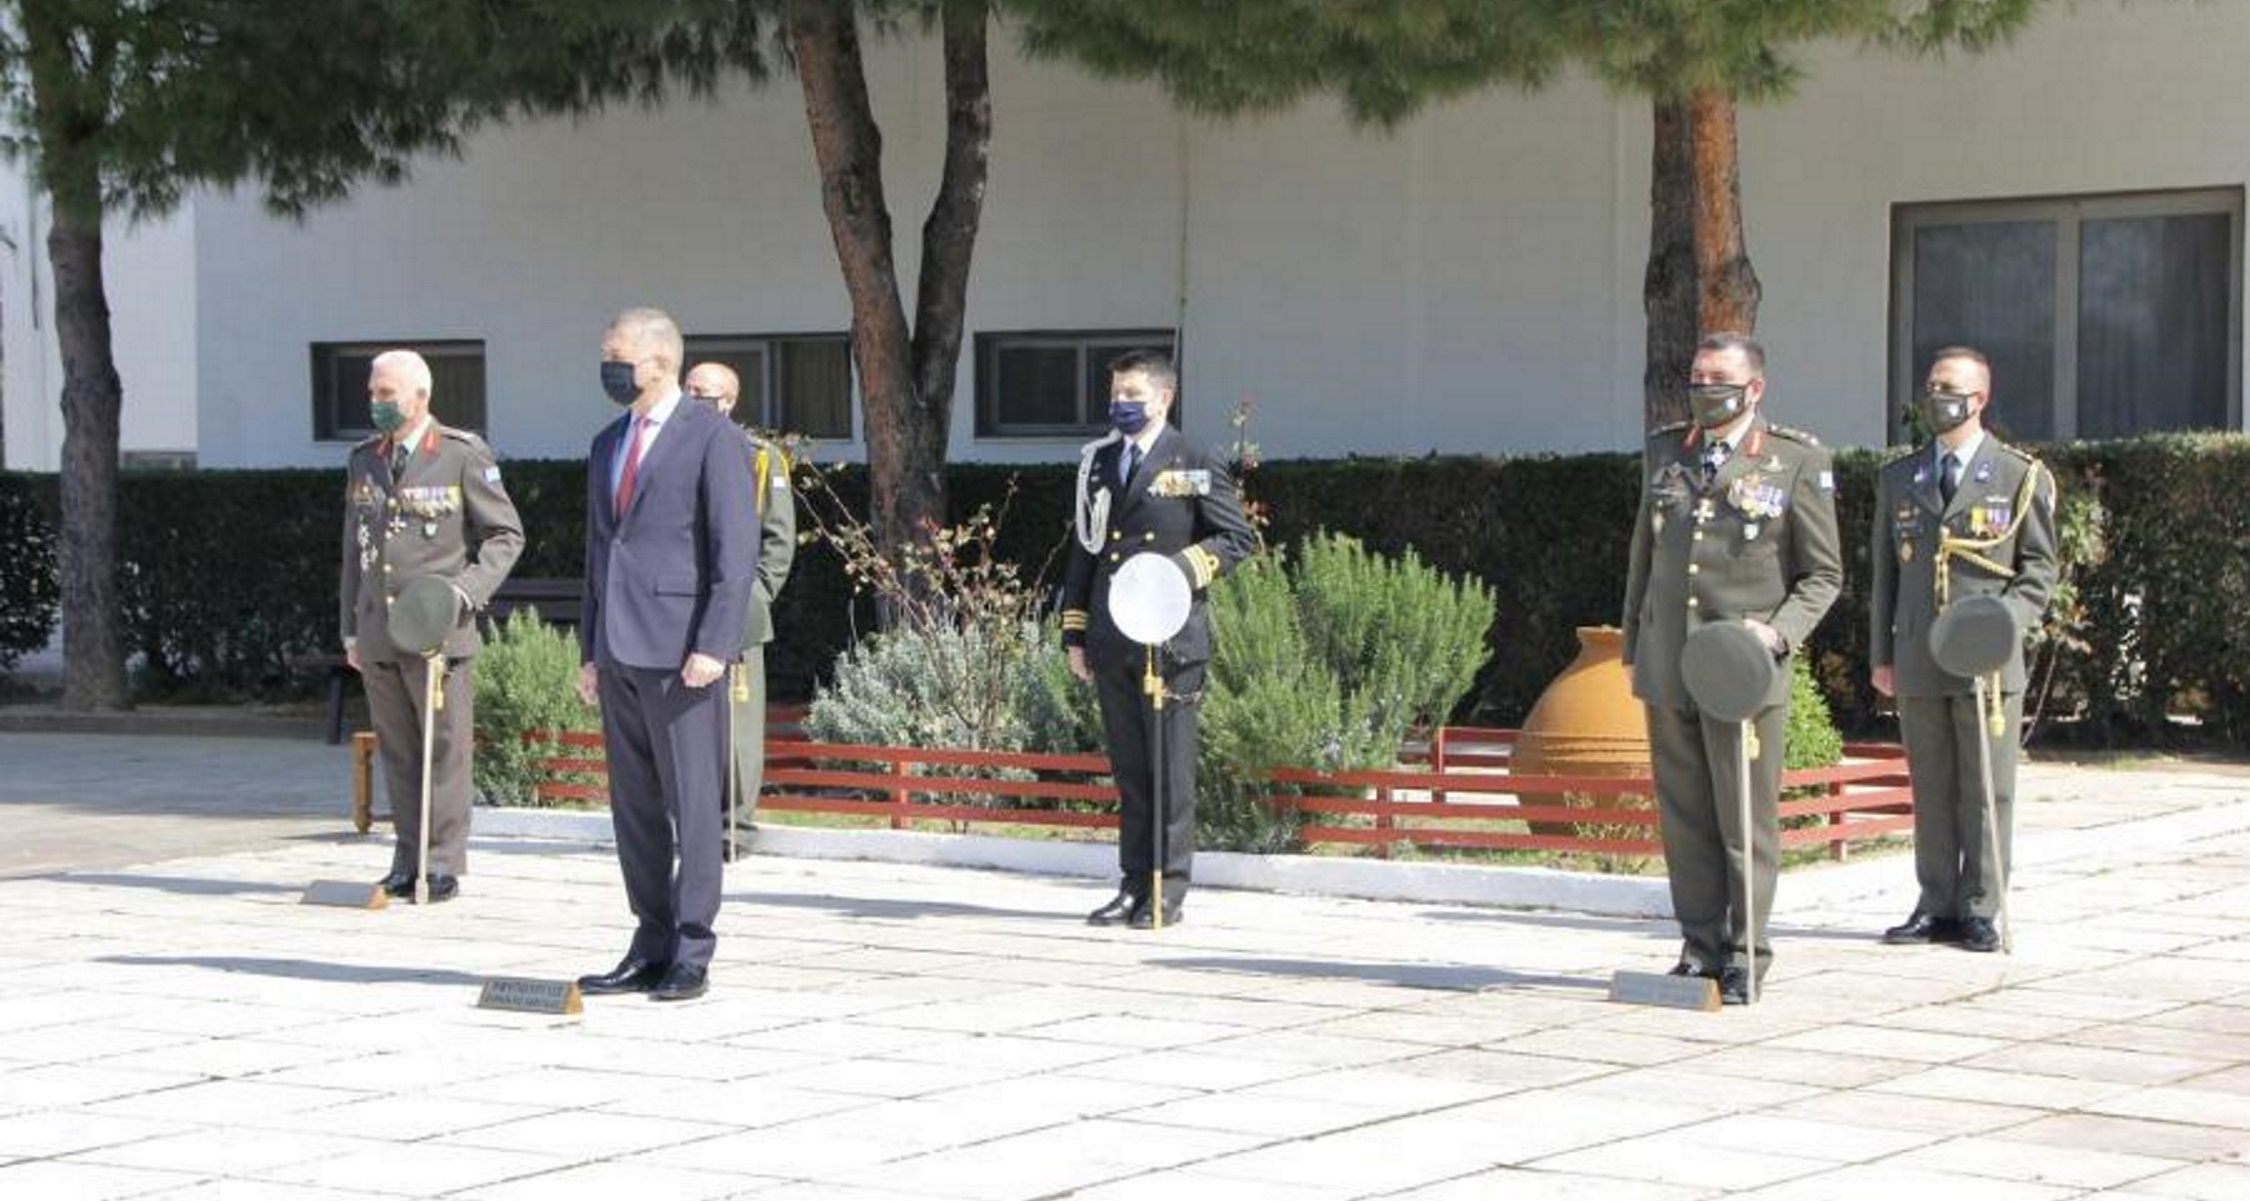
<point>617,382</point>
<point>1944,411</point>
<point>1716,406</point>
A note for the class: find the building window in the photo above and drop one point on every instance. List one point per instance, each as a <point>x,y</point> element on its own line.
<point>340,372</point>
<point>1053,383</point>
<point>794,384</point>
<point>2104,316</point>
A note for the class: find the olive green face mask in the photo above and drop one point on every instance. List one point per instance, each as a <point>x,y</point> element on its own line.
<point>1944,411</point>
<point>1716,406</point>
<point>386,415</point>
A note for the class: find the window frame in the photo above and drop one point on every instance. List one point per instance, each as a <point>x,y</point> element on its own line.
<point>697,347</point>
<point>2069,213</point>
<point>327,426</point>
<point>990,343</point>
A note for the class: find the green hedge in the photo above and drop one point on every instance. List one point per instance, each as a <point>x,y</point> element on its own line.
<point>28,586</point>
<point>229,572</point>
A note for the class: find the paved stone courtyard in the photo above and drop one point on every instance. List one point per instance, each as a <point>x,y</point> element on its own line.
<point>183,1028</point>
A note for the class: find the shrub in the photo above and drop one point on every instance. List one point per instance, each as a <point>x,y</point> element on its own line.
<point>904,688</point>
<point>29,589</point>
<point>1325,663</point>
<point>526,681</point>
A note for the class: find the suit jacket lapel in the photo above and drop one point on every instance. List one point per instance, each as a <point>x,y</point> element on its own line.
<point>1145,472</point>
<point>605,463</point>
<point>1741,461</point>
<point>657,453</point>
<point>1925,488</point>
<point>1980,461</point>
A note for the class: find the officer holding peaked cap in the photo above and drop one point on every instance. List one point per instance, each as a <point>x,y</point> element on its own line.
<point>429,534</point>
<point>1737,527</point>
<point>1963,517</point>
<point>1145,488</point>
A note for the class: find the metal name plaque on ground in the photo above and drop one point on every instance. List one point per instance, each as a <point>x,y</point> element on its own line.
<point>1671,992</point>
<point>532,996</point>
<point>350,894</point>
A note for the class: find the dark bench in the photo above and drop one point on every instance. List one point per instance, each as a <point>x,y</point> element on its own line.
<point>555,600</point>
<point>339,674</point>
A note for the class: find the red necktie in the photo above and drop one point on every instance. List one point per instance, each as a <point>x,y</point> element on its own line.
<point>632,466</point>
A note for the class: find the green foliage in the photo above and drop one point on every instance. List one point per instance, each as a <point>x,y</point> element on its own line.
<point>526,681</point>
<point>1812,738</point>
<point>2157,616</point>
<point>1386,61</point>
<point>28,587</point>
<point>1327,662</point>
<point>308,97</point>
<point>903,687</point>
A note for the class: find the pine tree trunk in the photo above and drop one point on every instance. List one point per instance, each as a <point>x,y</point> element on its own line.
<point>1668,291</point>
<point>949,235</point>
<point>92,397</point>
<point>905,376</point>
<point>848,146</point>
<point>1727,286</point>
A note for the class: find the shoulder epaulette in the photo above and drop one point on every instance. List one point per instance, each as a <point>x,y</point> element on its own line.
<point>1793,434</point>
<point>1666,431</point>
<point>447,431</point>
<point>2017,451</point>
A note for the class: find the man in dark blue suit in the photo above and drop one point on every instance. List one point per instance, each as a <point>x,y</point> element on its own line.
<point>671,557</point>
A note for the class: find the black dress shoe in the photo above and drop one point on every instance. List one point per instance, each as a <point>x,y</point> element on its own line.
<point>444,888</point>
<point>1143,916</point>
<point>1734,986</point>
<point>1117,911</point>
<point>1923,928</point>
<point>633,974</point>
<point>1684,968</point>
<point>683,982</point>
<point>397,884</point>
<point>1978,934</point>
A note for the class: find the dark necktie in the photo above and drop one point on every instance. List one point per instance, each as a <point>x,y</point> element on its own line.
<point>1714,457</point>
<point>398,461</point>
<point>1129,462</point>
<point>632,452</point>
<point>1946,484</point>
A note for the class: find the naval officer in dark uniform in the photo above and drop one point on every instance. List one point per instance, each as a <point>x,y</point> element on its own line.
<point>421,499</point>
<point>1737,522</point>
<point>1967,515</point>
<point>1146,488</point>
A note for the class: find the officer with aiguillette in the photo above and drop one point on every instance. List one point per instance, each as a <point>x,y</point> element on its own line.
<point>1146,488</point>
<point>421,499</point>
<point>1967,515</point>
<point>1737,523</point>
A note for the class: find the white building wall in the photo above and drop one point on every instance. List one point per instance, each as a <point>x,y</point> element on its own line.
<point>1469,282</point>
<point>150,274</point>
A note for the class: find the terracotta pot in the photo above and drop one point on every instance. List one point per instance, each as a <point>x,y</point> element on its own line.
<point>1587,723</point>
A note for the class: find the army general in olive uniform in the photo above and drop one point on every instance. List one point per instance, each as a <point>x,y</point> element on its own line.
<point>421,500</point>
<point>717,385</point>
<point>1146,488</point>
<point>1737,522</point>
<point>1963,516</point>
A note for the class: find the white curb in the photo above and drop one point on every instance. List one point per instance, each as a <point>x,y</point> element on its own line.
<point>1801,891</point>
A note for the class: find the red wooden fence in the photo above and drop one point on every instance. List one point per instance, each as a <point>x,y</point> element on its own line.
<point>1449,792</point>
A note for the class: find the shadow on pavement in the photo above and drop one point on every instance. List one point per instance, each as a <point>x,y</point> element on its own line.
<point>301,969</point>
<point>192,886</point>
<point>1440,976</point>
<point>1658,927</point>
<point>872,907</point>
